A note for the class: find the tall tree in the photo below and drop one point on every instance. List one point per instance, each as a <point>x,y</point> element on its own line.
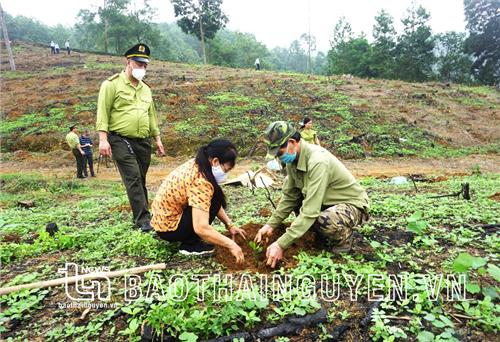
<point>237,50</point>
<point>384,35</point>
<point>342,32</point>
<point>453,64</point>
<point>203,18</point>
<point>279,58</point>
<point>414,51</point>
<point>483,23</point>
<point>320,64</point>
<point>348,55</point>
<point>114,27</point>
<point>352,57</point>
<point>297,57</point>
<point>309,42</point>
<point>27,29</point>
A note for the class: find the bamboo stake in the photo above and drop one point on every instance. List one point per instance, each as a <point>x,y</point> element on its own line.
<point>82,277</point>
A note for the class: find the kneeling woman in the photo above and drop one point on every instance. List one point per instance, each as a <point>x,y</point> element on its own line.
<point>190,198</point>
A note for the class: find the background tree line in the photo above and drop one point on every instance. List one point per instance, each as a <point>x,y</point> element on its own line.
<point>415,54</point>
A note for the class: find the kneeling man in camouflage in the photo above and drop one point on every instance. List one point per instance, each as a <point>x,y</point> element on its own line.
<point>323,193</point>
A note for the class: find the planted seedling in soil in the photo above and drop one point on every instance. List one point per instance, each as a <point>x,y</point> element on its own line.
<point>257,251</point>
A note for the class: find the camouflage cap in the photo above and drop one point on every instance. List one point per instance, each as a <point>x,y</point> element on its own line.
<point>276,134</point>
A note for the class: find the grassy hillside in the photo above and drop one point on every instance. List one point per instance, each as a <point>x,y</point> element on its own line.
<point>354,117</point>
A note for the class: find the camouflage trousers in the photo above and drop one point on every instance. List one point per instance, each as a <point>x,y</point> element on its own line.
<point>334,225</point>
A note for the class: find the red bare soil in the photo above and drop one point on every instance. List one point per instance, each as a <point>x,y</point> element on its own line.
<point>256,262</point>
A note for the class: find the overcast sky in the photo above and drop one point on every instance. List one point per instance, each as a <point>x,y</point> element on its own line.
<point>274,22</point>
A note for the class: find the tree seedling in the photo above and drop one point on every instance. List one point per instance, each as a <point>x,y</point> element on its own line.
<point>257,250</point>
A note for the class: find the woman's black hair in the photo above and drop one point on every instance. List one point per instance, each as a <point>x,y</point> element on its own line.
<point>226,152</point>
<point>306,120</point>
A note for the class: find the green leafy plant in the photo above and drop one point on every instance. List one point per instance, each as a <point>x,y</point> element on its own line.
<point>416,224</point>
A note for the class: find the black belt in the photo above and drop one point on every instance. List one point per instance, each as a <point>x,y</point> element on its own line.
<point>124,137</point>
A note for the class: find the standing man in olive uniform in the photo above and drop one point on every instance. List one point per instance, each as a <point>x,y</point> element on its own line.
<point>74,143</point>
<point>319,188</point>
<point>126,120</point>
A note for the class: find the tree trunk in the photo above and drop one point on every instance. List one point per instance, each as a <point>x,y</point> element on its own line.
<point>202,41</point>
<point>106,35</point>
<point>105,31</point>
<point>7,41</point>
<point>309,66</point>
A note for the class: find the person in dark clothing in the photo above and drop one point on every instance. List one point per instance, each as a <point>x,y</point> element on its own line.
<point>86,144</point>
<point>74,145</point>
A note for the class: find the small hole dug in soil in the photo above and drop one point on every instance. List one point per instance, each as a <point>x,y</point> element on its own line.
<point>495,197</point>
<point>255,261</point>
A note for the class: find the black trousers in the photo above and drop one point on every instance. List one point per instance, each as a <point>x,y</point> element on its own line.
<point>132,157</point>
<point>185,230</point>
<point>80,162</point>
<point>88,160</point>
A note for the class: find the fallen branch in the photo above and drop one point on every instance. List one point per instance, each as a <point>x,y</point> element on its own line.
<point>82,277</point>
<point>234,337</point>
<point>404,318</point>
<point>462,316</point>
<point>293,324</point>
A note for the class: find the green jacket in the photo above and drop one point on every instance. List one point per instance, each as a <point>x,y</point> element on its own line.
<point>125,109</point>
<point>323,181</point>
<point>72,140</point>
<point>309,135</point>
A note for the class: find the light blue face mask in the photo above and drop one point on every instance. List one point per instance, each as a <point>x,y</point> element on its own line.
<point>288,158</point>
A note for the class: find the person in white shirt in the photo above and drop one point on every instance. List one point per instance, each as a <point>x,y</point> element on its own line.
<point>66,46</point>
<point>257,64</point>
<point>52,47</point>
<point>57,48</point>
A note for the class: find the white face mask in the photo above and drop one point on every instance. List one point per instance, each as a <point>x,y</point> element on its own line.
<point>219,174</point>
<point>138,73</point>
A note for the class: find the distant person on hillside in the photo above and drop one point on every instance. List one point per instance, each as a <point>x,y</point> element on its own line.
<point>321,191</point>
<point>52,47</point>
<point>190,198</point>
<point>257,64</point>
<point>307,132</point>
<point>86,144</point>
<point>57,48</point>
<point>126,122</point>
<point>66,46</point>
<point>74,143</point>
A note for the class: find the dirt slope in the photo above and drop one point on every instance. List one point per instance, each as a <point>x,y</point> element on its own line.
<point>355,117</point>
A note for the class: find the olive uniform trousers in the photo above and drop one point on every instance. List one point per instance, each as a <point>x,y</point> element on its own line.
<point>132,157</point>
<point>80,162</point>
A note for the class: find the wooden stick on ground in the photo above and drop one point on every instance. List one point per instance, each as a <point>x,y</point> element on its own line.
<point>404,318</point>
<point>82,277</point>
